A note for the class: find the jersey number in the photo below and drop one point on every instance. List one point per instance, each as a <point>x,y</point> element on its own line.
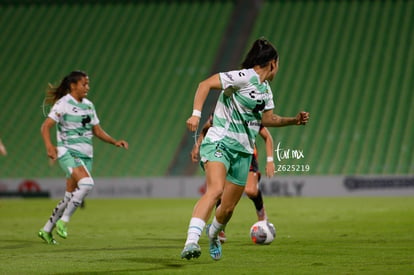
<point>260,103</point>
<point>85,119</point>
<point>259,106</point>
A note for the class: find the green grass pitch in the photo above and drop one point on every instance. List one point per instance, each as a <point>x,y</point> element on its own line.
<point>135,236</point>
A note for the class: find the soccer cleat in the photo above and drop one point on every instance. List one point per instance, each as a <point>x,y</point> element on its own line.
<point>61,229</point>
<point>47,237</point>
<point>222,236</point>
<point>214,245</point>
<point>191,250</point>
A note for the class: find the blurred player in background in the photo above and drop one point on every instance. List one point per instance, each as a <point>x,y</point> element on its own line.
<point>252,185</point>
<point>3,150</point>
<point>77,122</point>
<point>245,103</point>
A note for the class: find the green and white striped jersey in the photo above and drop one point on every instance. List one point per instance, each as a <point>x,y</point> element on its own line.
<point>74,125</point>
<point>238,113</point>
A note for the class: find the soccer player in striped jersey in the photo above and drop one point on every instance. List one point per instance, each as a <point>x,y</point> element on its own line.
<point>77,122</point>
<point>252,184</point>
<point>246,102</point>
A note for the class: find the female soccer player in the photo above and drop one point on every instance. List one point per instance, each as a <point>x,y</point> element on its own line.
<point>246,102</point>
<point>77,122</point>
<point>252,185</point>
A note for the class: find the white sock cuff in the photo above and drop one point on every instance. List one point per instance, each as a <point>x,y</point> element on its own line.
<point>86,182</point>
<point>215,228</point>
<point>216,223</point>
<point>196,225</point>
<point>85,186</point>
<point>194,230</point>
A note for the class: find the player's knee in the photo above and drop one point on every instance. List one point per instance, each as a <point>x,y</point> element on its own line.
<point>86,184</point>
<point>214,193</point>
<point>251,191</point>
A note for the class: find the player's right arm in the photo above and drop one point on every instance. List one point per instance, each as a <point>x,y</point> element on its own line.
<point>45,132</point>
<point>204,87</point>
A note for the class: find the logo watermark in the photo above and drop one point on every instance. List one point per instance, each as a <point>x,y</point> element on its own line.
<point>283,154</point>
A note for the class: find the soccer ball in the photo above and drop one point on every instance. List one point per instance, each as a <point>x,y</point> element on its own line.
<point>263,232</point>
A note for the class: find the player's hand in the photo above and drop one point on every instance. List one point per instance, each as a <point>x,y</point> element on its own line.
<point>122,144</point>
<point>52,152</point>
<point>192,123</point>
<point>302,118</point>
<point>270,169</point>
<point>195,153</point>
<point>52,162</point>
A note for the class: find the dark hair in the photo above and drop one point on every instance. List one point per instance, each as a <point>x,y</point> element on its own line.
<point>55,93</point>
<point>260,54</point>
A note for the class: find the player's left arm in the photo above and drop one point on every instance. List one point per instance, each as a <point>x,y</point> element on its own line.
<point>269,119</point>
<point>195,152</point>
<point>102,135</point>
<point>270,165</point>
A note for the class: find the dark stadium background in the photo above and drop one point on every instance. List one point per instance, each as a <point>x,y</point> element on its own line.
<point>349,63</point>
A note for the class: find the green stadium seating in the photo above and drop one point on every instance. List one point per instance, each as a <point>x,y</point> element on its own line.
<point>144,59</point>
<point>350,63</point>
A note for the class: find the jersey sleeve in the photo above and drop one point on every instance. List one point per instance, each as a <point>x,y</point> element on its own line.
<point>57,111</point>
<point>233,79</point>
<point>269,103</point>
<point>95,119</point>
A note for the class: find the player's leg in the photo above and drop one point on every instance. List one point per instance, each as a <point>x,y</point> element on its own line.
<point>233,190</point>
<point>230,197</point>
<point>253,192</point>
<point>67,163</point>
<point>80,177</point>
<point>221,235</point>
<point>46,232</point>
<point>215,178</point>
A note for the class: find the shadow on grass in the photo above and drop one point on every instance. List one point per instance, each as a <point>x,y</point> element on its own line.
<point>165,263</point>
<point>146,264</point>
<point>15,244</point>
<point>154,243</point>
<point>135,244</point>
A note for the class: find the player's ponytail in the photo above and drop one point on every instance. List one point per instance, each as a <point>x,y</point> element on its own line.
<point>55,93</point>
<point>261,53</point>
